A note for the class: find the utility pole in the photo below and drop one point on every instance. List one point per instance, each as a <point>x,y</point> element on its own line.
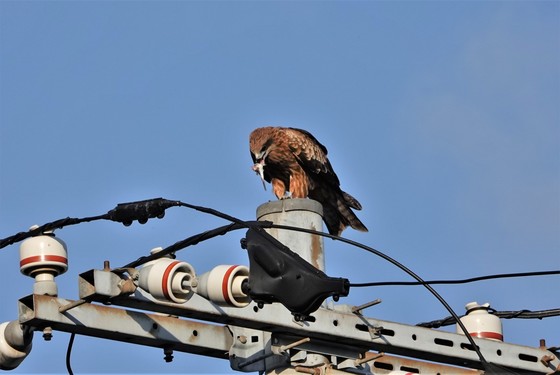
<point>301,213</point>
<point>252,316</point>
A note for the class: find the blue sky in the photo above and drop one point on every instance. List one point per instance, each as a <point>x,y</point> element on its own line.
<point>442,118</point>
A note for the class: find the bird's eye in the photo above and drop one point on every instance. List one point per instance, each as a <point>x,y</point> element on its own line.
<point>265,146</point>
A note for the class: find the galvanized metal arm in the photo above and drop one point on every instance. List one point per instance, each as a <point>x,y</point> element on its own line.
<point>340,332</point>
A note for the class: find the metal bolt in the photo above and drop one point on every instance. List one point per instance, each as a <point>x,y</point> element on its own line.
<point>47,333</point>
<point>358,309</point>
<point>242,339</point>
<point>168,354</point>
<point>367,359</point>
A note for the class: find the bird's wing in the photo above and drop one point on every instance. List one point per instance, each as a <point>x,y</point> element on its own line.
<point>311,155</point>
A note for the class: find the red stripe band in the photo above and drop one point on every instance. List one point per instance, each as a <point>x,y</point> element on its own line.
<point>165,279</point>
<point>43,258</point>
<point>225,285</point>
<point>488,335</point>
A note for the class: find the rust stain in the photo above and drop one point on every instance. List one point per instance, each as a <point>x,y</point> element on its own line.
<point>316,250</point>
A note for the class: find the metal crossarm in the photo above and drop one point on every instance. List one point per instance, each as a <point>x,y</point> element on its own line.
<point>357,333</point>
<point>40,311</point>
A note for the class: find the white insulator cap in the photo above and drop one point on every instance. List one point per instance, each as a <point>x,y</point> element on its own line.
<point>13,345</point>
<point>43,254</point>
<point>480,323</point>
<point>223,285</point>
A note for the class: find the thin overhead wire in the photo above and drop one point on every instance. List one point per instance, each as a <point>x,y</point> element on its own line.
<point>458,281</point>
<point>520,314</point>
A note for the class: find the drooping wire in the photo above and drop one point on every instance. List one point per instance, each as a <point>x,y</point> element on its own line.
<point>69,354</point>
<point>459,281</point>
<point>384,256</point>
<point>222,230</point>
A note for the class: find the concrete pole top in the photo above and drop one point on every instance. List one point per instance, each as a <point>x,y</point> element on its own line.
<point>286,205</point>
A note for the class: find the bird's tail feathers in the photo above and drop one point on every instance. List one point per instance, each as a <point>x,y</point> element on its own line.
<point>338,215</point>
<point>351,201</point>
<point>349,218</point>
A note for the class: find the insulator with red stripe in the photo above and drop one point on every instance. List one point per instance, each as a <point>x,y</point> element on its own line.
<point>167,279</point>
<point>480,323</point>
<point>43,257</point>
<point>44,253</point>
<point>223,285</point>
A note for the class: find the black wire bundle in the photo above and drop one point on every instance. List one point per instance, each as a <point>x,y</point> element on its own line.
<point>520,314</point>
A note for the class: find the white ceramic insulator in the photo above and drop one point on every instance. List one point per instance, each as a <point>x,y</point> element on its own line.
<point>45,284</point>
<point>10,357</point>
<point>43,254</point>
<point>223,285</point>
<point>480,323</point>
<point>167,279</point>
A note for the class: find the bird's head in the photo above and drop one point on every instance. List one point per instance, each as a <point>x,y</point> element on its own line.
<point>260,144</point>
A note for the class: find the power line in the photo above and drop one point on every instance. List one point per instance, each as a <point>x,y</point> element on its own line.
<point>520,314</point>
<point>459,281</point>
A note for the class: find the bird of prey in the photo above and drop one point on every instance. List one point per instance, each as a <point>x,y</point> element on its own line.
<point>296,164</point>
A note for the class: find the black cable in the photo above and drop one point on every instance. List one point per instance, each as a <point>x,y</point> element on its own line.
<point>48,227</point>
<point>520,314</point>
<point>125,213</point>
<point>219,214</point>
<point>197,238</point>
<point>190,241</point>
<point>460,281</point>
<point>528,314</point>
<point>69,353</point>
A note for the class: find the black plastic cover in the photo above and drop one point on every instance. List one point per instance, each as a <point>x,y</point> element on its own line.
<point>277,274</point>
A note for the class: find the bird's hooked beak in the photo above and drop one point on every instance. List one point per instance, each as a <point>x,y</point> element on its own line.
<point>259,169</point>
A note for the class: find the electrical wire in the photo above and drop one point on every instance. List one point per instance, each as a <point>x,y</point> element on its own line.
<point>384,256</point>
<point>48,227</point>
<point>125,213</point>
<point>460,281</point>
<point>223,230</point>
<point>69,354</point>
<point>520,314</point>
<point>190,241</point>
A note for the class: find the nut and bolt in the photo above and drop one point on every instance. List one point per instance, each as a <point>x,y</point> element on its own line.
<point>47,333</point>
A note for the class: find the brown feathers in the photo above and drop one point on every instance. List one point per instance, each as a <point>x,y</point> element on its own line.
<point>297,166</point>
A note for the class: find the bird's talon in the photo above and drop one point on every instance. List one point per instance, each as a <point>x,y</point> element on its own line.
<point>287,195</point>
